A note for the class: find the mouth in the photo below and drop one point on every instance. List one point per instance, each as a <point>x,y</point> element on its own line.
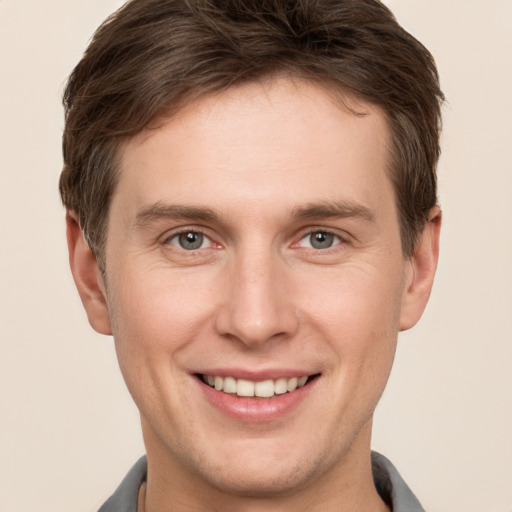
<point>245,388</point>
<point>264,397</point>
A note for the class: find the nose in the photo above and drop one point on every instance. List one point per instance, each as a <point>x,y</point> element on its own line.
<point>258,301</point>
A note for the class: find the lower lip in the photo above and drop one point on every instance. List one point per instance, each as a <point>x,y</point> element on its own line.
<point>256,409</point>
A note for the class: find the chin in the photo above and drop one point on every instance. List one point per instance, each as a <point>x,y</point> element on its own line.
<point>261,469</point>
<point>260,480</point>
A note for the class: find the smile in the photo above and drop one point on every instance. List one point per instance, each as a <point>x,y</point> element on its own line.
<point>248,388</point>
<point>258,398</point>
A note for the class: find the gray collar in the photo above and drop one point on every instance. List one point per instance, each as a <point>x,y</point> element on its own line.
<point>391,486</point>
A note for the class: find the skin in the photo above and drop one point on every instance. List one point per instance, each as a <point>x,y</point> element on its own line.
<point>270,163</point>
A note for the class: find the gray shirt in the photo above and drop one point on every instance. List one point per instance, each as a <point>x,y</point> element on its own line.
<point>393,490</point>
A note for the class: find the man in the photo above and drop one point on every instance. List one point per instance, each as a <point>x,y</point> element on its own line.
<point>251,198</point>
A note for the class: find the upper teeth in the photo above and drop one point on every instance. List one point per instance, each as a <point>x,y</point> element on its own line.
<point>247,388</point>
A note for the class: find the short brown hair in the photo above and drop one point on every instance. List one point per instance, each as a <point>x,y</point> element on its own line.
<point>152,56</point>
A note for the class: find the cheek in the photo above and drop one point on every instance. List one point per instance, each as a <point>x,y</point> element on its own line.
<point>354,298</point>
<point>158,309</point>
<point>357,311</point>
<point>157,316</point>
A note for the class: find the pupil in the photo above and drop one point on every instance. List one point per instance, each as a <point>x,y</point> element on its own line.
<point>190,241</point>
<point>321,240</point>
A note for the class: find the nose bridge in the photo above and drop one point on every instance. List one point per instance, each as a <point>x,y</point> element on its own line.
<point>259,303</point>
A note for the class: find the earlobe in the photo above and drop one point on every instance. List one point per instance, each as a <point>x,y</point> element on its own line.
<point>421,272</point>
<point>87,277</point>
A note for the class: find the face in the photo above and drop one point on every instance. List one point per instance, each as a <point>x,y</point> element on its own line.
<point>256,284</point>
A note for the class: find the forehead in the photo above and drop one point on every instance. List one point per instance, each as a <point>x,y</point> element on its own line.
<point>275,142</point>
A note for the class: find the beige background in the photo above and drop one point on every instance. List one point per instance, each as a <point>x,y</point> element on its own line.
<point>68,429</point>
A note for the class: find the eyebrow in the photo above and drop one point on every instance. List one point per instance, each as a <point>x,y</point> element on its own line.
<point>323,210</point>
<point>333,210</point>
<point>160,211</point>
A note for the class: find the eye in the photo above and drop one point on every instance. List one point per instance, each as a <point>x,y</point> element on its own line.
<point>190,240</point>
<point>320,240</point>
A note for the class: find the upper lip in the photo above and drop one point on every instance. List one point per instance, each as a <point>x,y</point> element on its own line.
<point>257,375</point>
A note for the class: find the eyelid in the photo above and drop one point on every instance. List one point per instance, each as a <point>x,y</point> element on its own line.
<point>205,241</point>
<point>173,233</point>
<point>343,236</point>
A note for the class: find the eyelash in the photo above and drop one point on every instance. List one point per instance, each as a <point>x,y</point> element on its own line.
<point>339,239</point>
<point>186,231</point>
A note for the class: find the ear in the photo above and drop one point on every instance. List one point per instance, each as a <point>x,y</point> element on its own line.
<point>421,269</point>
<point>87,277</point>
